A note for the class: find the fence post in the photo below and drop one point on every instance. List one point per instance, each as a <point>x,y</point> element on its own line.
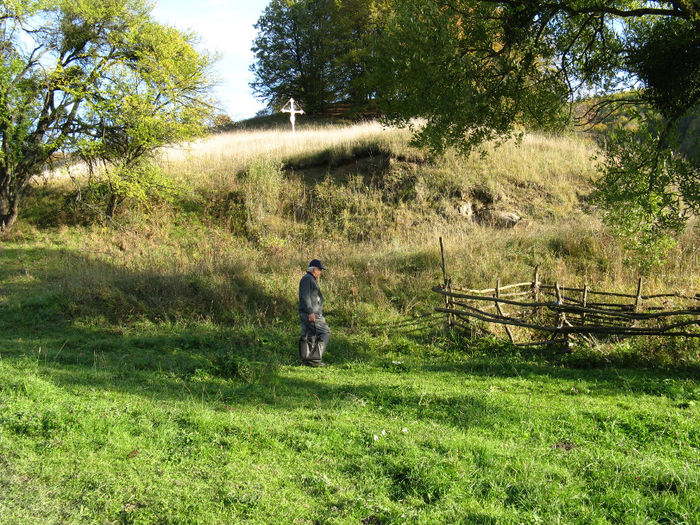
<point>561,316</point>
<point>442,258</point>
<point>450,304</point>
<point>536,285</point>
<point>638,299</point>
<point>447,285</point>
<point>500,311</point>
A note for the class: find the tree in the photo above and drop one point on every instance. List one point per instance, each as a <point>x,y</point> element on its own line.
<point>290,57</point>
<point>315,51</point>
<point>356,24</point>
<point>96,77</point>
<point>160,100</point>
<point>483,70</point>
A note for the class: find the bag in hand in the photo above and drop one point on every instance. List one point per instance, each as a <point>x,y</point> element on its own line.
<point>310,347</point>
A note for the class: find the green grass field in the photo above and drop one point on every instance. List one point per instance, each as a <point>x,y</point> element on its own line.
<point>148,368</point>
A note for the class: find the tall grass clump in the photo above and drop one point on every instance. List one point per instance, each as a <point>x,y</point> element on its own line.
<point>262,184</point>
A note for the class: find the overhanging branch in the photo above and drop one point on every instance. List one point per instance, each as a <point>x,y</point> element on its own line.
<point>678,12</point>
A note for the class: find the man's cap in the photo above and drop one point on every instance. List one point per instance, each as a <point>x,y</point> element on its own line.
<point>316,264</point>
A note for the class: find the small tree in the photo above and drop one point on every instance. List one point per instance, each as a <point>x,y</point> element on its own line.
<point>95,75</point>
<point>161,102</point>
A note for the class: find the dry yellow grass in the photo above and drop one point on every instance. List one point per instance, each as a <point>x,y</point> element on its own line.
<point>246,144</point>
<point>215,159</point>
<point>391,265</point>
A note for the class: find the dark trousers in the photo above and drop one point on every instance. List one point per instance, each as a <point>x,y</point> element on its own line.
<point>323,332</point>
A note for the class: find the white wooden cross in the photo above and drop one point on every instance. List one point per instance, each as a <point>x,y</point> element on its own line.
<point>293,109</point>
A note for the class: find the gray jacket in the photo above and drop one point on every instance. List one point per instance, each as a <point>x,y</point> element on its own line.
<point>310,296</point>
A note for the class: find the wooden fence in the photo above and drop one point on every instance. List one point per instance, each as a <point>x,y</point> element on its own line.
<point>533,313</point>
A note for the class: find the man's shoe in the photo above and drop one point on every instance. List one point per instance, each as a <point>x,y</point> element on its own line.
<point>317,364</point>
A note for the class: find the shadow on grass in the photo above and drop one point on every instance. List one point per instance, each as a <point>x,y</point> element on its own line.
<point>34,280</point>
<point>225,367</point>
<point>86,320</point>
<point>623,369</point>
<point>138,333</point>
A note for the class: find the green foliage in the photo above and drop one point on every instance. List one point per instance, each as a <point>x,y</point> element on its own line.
<point>647,192</point>
<point>158,100</point>
<point>665,57</point>
<point>139,183</point>
<point>315,51</point>
<point>468,75</point>
<point>689,131</point>
<point>101,80</point>
<point>478,71</point>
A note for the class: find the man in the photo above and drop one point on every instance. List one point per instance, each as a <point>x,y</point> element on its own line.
<point>311,309</point>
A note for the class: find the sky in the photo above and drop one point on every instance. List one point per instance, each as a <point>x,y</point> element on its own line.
<point>224,27</point>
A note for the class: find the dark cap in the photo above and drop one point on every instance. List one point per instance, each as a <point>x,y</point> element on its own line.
<point>316,264</point>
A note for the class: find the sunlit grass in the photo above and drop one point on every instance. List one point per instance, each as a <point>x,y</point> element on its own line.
<point>221,156</point>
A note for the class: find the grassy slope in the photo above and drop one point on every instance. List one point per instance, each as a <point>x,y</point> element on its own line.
<point>148,375</point>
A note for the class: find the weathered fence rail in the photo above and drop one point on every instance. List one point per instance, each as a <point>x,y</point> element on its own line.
<point>561,312</point>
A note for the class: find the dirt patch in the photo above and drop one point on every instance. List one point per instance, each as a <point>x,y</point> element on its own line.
<point>564,445</point>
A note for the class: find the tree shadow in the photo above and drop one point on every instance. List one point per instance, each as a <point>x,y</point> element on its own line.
<point>119,337</point>
<point>597,378</point>
<point>189,365</point>
<point>85,287</point>
<point>73,308</point>
<point>66,310</point>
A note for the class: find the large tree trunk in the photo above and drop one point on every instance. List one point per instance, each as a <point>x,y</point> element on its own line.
<point>9,209</point>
